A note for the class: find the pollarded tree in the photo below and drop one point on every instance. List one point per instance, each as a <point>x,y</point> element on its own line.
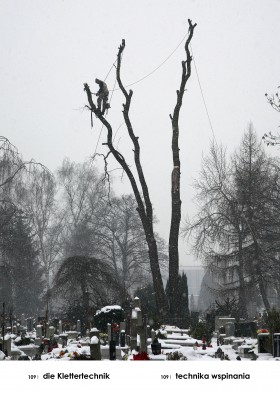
<point>141,192</point>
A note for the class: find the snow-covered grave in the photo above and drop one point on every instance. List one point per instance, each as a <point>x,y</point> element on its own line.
<point>140,342</point>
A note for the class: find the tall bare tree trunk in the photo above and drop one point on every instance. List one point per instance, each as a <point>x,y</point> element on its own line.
<point>175,185</point>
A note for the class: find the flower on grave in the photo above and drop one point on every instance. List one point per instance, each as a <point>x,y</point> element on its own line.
<point>61,353</point>
<point>75,354</point>
<point>141,356</point>
<point>262,331</point>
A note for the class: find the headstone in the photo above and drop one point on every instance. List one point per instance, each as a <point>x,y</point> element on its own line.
<point>29,323</point>
<point>112,350</point>
<point>60,330</point>
<point>72,335</point>
<point>222,320</point>
<point>264,343</point>
<point>22,320</point>
<point>246,329</point>
<point>122,339</point>
<point>109,332</point>
<point>51,332</point>
<point>79,326</point>
<point>148,331</point>
<point>95,353</point>
<point>244,351</point>
<point>94,332</point>
<point>122,326</point>
<point>8,344</point>
<point>276,345</point>
<point>136,303</point>
<point>230,329</point>
<point>39,333</point>
<point>133,330</point>
<point>63,338</point>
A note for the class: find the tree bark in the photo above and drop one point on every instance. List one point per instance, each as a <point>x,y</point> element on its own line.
<point>175,185</point>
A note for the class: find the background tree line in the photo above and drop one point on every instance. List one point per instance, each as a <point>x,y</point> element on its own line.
<point>65,240</point>
<point>236,231</point>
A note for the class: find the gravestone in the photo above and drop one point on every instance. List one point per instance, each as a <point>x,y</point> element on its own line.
<point>148,331</point>
<point>79,326</point>
<point>133,330</point>
<point>222,320</point>
<point>112,350</point>
<point>276,345</point>
<point>60,330</point>
<point>95,353</point>
<point>72,335</point>
<point>122,326</point>
<point>244,351</point>
<point>22,320</point>
<point>51,332</point>
<point>246,329</point>
<point>8,345</point>
<point>229,329</point>
<point>63,339</point>
<point>264,343</point>
<point>94,332</point>
<point>39,333</point>
<point>109,332</point>
<point>122,339</point>
<point>29,323</point>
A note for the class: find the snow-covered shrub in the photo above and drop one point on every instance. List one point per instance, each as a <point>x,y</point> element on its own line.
<point>200,331</point>
<point>175,356</point>
<point>109,314</point>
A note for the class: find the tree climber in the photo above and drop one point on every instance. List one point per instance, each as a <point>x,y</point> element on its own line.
<point>102,94</point>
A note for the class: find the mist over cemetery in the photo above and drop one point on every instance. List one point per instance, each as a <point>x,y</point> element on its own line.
<point>85,276</point>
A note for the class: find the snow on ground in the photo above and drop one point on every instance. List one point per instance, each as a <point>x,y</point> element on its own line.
<point>176,343</point>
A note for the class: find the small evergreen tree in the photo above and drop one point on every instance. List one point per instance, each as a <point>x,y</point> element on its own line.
<point>183,305</point>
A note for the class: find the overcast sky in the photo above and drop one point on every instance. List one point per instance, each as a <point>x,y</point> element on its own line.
<point>50,48</point>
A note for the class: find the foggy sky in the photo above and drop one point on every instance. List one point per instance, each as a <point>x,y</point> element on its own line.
<point>49,49</point>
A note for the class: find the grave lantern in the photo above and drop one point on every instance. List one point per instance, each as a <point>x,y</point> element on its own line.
<point>276,345</point>
<point>122,338</point>
<point>112,350</point>
<point>156,347</point>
